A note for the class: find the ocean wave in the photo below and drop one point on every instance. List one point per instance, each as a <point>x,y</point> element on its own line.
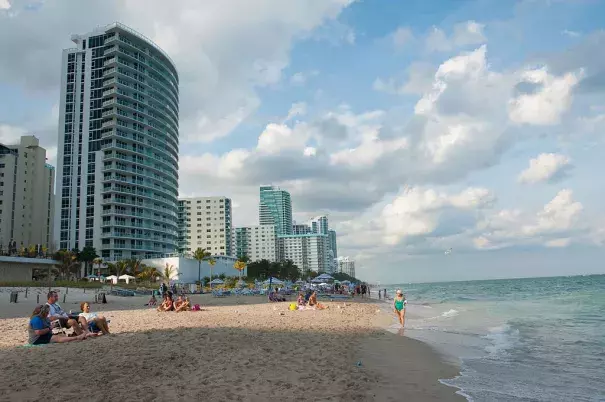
<point>502,338</point>
<point>450,313</point>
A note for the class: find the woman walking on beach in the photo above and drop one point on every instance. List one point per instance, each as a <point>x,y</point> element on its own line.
<point>400,303</point>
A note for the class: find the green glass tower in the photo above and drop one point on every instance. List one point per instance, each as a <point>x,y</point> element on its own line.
<point>275,208</point>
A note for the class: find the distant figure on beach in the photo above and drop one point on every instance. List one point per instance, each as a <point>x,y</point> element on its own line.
<point>96,322</point>
<point>399,303</point>
<point>301,299</point>
<point>384,293</point>
<point>153,301</point>
<point>379,294</point>
<point>314,303</point>
<point>364,290</point>
<point>79,324</point>
<point>167,304</point>
<point>182,304</point>
<point>39,329</point>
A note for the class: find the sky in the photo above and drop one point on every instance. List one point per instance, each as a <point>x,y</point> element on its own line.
<point>416,126</point>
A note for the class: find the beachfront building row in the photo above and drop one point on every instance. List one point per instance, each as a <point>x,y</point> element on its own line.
<point>256,242</point>
<point>118,146</point>
<point>346,266</point>
<point>205,222</point>
<point>26,196</point>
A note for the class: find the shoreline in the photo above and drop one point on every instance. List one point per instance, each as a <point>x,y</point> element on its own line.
<point>236,349</point>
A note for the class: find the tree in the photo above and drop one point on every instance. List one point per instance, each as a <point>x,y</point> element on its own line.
<point>87,255</point>
<point>149,274</point>
<point>240,266</point>
<point>97,262</point>
<point>200,255</point>
<point>212,263</point>
<point>121,267</point>
<point>68,263</point>
<point>168,273</point>
<point>135,266</point>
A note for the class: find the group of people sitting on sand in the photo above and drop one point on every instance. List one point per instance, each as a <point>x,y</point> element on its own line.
<point>83,325</point>
<point>309,300</point>
<point>182,303</point>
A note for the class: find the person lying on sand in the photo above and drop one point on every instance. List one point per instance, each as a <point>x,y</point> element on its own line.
<point>80,326</point>
<point>167,304</point>
<point>314,303</point>
<point>39,329</point>
<point>96,322</point>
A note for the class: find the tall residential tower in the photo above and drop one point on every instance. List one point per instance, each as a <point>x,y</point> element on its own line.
<point>276,209</point>
<point>26,195</point>
<point>117,174</point>
<point>205,222</point>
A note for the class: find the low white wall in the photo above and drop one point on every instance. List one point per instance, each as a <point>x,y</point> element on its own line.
<point>186,269</point>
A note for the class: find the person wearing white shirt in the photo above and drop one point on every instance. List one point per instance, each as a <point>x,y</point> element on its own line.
<point>57,313</point>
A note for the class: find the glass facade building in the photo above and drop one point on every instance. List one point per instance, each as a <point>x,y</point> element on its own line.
<point>275,209</point>
<point>117,174</point>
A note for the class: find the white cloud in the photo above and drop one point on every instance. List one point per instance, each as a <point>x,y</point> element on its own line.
<point>297,109</point>
<point>223,51</point>
<point>555,225</point>
<point>464,34</point>
<point>545,105</point>
<point>10,135</point>
<point>571,34</point>
<point>402,36</point>
<point>545,167</point>
<point>419,80</point>
<point>417,211</point>
<point>5,4</point>
<point>301,78</point>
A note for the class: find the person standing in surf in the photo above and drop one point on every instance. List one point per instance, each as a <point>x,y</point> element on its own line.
<point>399,303</point>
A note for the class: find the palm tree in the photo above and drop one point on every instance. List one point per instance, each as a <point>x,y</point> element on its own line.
<point>169,272</point>
<point>135,266</point>
<point>239,265</point>
<point>68,262</point>
<point>121,267</point>
<point>200,255</point>
<point>211,262</point>
<point>97,262</point>
<point>87,255</point>
<point>149,273</point>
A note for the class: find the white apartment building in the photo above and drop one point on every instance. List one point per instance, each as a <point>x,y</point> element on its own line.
<point>256,242</point>
<point>118,146</point>
<point>346,266</point>
<point>205,222</point>
<point>310,252</point>
<point>26,195</point>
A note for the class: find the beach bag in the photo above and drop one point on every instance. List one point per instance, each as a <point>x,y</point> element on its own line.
<point>196,308</point>
<point>293,306</point>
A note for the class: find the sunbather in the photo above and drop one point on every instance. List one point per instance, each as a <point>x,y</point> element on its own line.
<point>39,329</point>
<point>78,324</point>
<point>152,302</point>
<point>167,304</point>
<point>301,299</point>
<point>184,304</point>
<point>96,322</point>
<point>314,303</point>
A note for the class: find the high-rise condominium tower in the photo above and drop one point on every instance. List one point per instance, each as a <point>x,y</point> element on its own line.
<point>276,209</point>
<point>117,175</point>
<point>26,195</point>
<point>205,222</point>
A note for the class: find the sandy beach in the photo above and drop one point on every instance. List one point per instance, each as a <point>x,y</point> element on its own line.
<point>236,349</point>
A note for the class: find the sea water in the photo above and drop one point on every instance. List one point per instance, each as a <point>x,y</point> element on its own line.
<point>535,339</point>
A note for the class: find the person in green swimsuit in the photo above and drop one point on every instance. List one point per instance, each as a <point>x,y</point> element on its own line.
<point>399,302</point>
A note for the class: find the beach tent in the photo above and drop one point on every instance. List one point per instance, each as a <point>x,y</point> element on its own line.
<point>217,282</point>
<point>113,279</point>
<point>241,283</point>
<point>126,278</point>
<point>273,281</point>
<point>325,277</point>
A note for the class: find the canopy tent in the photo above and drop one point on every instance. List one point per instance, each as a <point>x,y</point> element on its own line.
<point>126,278</point>
<point>113,279</point>
<point>95,277</point>
<point>325,277</point>
<point>273,281</point>
<point>217,282</point>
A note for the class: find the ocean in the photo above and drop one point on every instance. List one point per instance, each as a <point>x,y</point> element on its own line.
<point>534,339</point>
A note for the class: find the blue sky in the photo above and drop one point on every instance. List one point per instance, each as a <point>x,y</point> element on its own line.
<point>416,126</point>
